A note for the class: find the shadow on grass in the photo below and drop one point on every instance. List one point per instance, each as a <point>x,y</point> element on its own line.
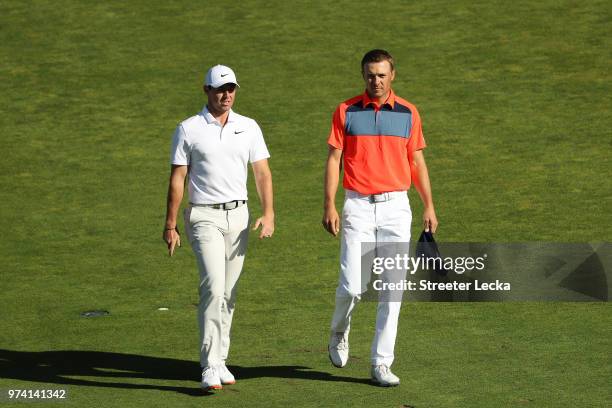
<point>57,367</point>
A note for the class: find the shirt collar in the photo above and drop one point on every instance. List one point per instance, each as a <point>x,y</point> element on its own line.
<point>211,119</point>
<point>366,100</point>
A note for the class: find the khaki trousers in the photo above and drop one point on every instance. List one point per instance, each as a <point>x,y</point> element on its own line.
<point>219,241</point>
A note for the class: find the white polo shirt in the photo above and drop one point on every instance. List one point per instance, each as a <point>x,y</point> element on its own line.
<point>217,155</point>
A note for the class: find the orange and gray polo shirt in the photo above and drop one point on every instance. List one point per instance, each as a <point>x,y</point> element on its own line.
<point>377,142</point>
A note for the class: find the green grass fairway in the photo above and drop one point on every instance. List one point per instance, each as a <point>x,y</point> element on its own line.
<point>515,99</point>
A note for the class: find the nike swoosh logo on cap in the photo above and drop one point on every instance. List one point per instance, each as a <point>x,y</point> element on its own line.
<point>224,75</point>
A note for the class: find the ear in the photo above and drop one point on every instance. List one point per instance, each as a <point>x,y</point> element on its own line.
<point>392,75</point>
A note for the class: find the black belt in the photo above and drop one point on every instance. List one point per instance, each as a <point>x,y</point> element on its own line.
<point>223,206</point>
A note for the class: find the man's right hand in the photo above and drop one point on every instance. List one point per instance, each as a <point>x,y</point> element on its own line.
<point>331,221</point>
<point>172,239</point>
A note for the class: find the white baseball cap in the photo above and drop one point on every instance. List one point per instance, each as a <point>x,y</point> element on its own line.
<point>220,75</point>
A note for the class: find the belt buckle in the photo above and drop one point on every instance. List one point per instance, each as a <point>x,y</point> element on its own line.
<point>379,198</point>
<point>232,205</point>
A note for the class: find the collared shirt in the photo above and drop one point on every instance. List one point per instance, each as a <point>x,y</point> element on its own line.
<point>217,155</point>
<point>377,142</point>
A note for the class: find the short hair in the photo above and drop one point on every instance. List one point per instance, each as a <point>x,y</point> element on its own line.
<point>377,56</point>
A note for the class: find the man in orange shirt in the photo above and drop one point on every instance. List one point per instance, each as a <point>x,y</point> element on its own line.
<point>377,137</point>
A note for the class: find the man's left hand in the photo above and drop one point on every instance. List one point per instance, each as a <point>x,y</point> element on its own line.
<point>267,226</point>
<point>430,222</point>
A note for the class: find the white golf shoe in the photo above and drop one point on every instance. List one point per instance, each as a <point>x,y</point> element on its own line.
<point>226,377</point>
<point>210,379</point>
<point>382,375</point>
<point>338,349</point>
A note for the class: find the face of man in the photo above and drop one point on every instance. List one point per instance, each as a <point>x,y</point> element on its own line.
<point>220,100</point>
<point>378,77</point>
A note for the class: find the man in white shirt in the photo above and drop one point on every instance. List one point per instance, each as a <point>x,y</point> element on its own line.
<point>213,148</point>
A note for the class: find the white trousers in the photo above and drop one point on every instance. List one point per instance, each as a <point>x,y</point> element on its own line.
<point>372,222</point>
<point>219,241</point>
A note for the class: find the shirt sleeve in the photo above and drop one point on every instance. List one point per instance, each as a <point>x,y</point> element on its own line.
<point>336,135</point>
<point>179,153</point>
<point>258,150</point>
<point>416,141</point>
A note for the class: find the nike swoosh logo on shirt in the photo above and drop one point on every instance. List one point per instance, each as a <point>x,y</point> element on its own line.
<point>238,131</point>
